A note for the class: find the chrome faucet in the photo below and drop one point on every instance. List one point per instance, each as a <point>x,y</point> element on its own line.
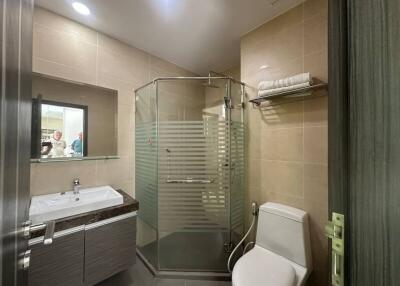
<point>77,186</point>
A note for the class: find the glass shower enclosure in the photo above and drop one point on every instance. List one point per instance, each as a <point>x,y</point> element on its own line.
<point>189,172</point>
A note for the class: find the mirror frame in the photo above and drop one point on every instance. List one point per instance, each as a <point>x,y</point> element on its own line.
<point>36,136</point>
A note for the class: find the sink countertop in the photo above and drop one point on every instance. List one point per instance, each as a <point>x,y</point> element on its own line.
<point>129,205</point>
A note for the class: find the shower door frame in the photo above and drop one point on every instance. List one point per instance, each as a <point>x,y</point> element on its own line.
<point>182,273</point>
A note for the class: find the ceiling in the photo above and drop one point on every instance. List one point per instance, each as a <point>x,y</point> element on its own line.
<point>198,35</point>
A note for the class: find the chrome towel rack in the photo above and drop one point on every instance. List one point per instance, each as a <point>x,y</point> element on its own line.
<point>299,93</point>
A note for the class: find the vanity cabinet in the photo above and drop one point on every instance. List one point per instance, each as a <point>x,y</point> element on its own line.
<point>109,248</point>
<point>60,263</point>
<point>84,255</point>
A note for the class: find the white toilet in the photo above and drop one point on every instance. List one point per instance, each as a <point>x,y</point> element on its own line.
<point>282,254</point>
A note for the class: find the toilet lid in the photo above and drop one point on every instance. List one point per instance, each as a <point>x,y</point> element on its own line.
<point>260,267</point>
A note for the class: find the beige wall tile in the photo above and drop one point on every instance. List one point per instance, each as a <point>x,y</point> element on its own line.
<point>112,45</point>
<point>315,36</point>
<point>126,93</point>
<point>114,172</point>
<point>316,144</point>
<point>289,68</point>
<point>165,68</point>
<point>252,138</point>
<point>62,71</point>
<point>57,177</point>
<point>121,66</point>
<point>316,184</point>
<point>282,177</point>
<point>292,17</point>
<point>64,48</point>
<point>288,44</point>
<point>63,54</point>
<point>317,64</point>
<point>316,110</point>
<point>55,22</point>
<point>319,243</point>
<point>125,129</point>
<point>254,174</point>
<point>286,115</point>
<point>282,144</point>
<point>283,198</point>
<point>313,7</point>
<point>127,186</point>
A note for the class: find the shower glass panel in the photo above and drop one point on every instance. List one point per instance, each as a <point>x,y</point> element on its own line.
<point>237,159</point>
<point>189,172</point>
<point>146,175</point>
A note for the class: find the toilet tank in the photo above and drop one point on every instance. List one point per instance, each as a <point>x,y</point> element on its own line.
<point>285,231</point>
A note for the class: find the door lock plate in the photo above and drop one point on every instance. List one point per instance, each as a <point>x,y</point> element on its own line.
<point>334,230</point>
<point>337,246</point>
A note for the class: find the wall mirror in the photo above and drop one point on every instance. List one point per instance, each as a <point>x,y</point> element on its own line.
<point>72,121</point>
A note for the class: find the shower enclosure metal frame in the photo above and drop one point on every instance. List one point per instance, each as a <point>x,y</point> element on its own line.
<point>153,263</point>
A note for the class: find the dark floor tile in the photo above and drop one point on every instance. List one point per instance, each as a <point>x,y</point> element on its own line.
<point>139,275</point>
<point>168,282</point>
<point>207,283</point>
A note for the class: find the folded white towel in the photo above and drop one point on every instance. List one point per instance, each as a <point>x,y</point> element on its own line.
<point>267,92</point>
<point>285,82</point>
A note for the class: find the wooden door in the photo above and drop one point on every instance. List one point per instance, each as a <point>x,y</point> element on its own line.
<point>364,136</point>
<point>15,112</point>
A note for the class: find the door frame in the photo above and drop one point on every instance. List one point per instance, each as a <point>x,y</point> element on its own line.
<point>338,119</point>
<point>16,19</point>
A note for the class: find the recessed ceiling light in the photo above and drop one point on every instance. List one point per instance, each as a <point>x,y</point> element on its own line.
<point>81,8</point>
<point>264,67</point>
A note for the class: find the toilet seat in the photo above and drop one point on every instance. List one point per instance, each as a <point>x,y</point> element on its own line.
<point>260,267</point>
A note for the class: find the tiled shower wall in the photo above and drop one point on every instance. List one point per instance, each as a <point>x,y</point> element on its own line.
<point>68,50</point>
<point>287,143</point>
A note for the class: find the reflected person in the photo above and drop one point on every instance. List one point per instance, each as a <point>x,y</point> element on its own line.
<point>58,145</point>
<point>76,146</point>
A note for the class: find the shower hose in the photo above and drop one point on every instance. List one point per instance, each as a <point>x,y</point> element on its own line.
<point>254,212</point>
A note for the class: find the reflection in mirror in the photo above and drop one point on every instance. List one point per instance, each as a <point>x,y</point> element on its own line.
<point>71,120</point>
<point>61,123</point>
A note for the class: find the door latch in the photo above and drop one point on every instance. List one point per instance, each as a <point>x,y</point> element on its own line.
<point>334,230</point>
<point>25,260</point>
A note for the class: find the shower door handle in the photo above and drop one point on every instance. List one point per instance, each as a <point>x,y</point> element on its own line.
<point>188,181</point>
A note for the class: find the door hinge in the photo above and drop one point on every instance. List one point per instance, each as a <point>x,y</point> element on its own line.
<point>227,102</point>
<point>334,230</point>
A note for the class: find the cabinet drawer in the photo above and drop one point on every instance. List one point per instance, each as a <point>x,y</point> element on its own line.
<point>58,264</point>
<point>109,249</point>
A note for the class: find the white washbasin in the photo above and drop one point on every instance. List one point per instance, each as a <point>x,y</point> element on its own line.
<point>58,205</point>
